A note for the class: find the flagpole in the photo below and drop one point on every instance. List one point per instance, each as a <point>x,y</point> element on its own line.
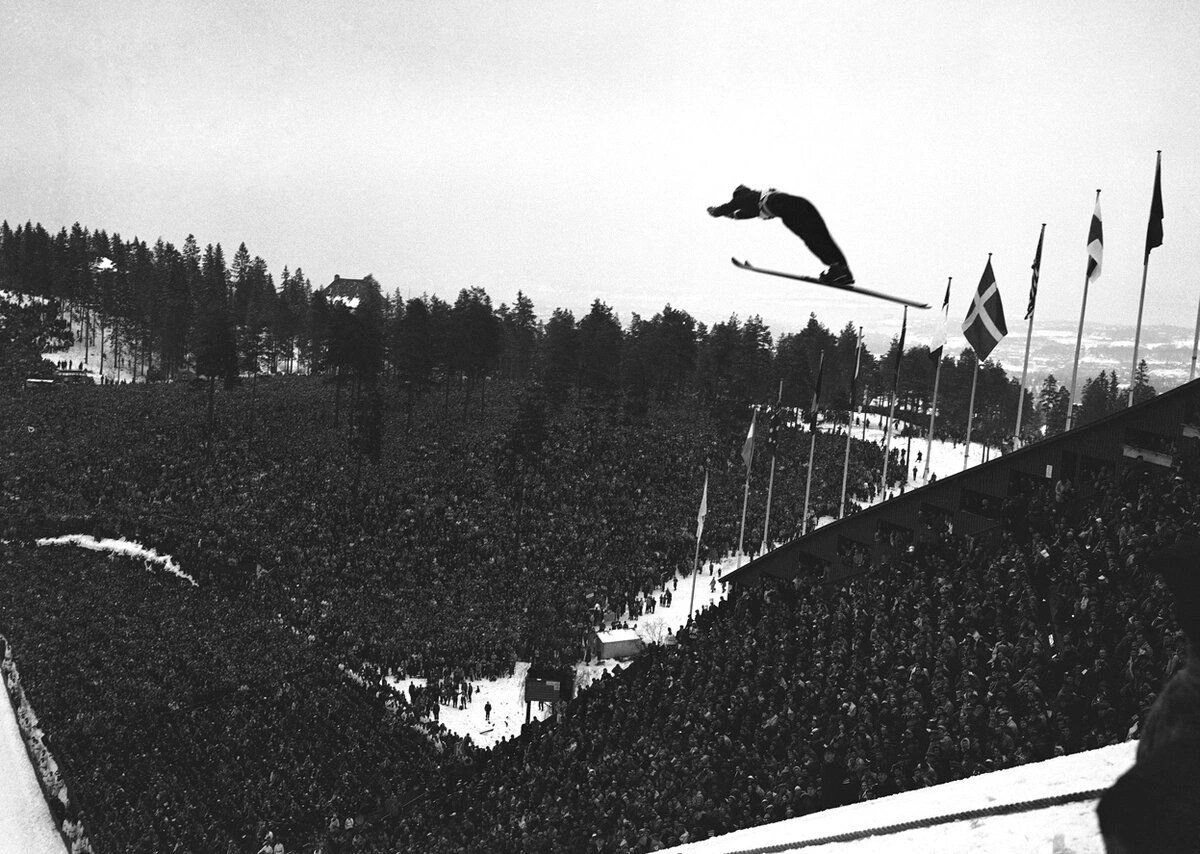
<point>1021,392</point>
<point>808,481</point>
<point>850,426</point>
<point>812,446</point>
<point>771,481</point>
<point>1195,344</point>
<point>699,534</point>
<point>746,494</point>
<point>932,415</point>
<point>887,433</point>
<point>937,373</point>
<point>1028,338</point>
<point>1079,343</point>
<point>1137,335</point>
<point>970,412</point>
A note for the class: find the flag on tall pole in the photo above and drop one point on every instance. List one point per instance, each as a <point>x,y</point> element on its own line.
<point>939,337</point>
<point>899,354</point>
<point>1095,243</point>
<point>984,328</point>
<point>1033,286</point>
<point>1037,271</point>
<point>1154,236</point>
<point>812,410</point>
<point>984,325</point>
<point>1154,229</point>
<point>748,446</point>
<point>935,353</point>
<point>703,509</point>
<point>1095,249</point>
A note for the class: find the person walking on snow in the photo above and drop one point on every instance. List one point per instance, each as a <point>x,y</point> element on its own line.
<point>801,218</point>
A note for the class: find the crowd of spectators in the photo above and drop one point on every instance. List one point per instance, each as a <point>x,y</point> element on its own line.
<point>1042,638</point>
<point>436,558</point>
<point>180,721</point>
<point>446,562</point>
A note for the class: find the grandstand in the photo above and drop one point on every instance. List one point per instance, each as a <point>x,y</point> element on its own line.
<point>976,502</point>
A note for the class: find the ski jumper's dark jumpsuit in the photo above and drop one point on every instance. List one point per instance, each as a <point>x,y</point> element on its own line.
<point>798,214</point>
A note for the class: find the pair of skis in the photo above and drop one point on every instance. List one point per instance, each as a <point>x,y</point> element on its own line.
<point>746,265</point>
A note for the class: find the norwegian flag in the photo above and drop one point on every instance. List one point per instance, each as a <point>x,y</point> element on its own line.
<point>984,325</point>
<point>703,509</point>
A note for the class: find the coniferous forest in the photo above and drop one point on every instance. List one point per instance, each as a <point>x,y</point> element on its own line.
<point>165,312</point>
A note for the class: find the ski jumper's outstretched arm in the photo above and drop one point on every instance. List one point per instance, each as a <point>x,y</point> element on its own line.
<point>736,209</point>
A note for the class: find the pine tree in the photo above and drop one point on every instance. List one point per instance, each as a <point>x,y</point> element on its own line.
<point>1142,390</point>
<point>600,340</point>
<point>1094,403</point>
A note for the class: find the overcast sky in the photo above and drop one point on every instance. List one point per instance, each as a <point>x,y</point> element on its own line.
<point>569,149</point>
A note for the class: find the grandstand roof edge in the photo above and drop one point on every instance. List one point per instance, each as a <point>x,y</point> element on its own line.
<point>782,562</point>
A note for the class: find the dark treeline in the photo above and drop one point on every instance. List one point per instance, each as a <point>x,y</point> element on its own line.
<point>162,312</point>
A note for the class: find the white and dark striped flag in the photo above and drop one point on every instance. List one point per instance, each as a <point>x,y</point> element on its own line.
<point>984,325</point>
<point>1095,244</point>
<point>703,510</point>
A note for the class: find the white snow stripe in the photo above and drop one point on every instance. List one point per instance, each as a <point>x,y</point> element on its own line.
<point>125,547</point>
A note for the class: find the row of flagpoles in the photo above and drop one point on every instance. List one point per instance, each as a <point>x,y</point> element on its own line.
<point>984,327</point>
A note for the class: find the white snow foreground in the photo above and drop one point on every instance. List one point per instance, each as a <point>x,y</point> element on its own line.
<point>26,826</point>
<point>1069,828</point>
<point>121,546</point>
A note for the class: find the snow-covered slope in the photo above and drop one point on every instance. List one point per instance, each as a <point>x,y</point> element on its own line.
<point>1069,828</point>
<point>26,826</point>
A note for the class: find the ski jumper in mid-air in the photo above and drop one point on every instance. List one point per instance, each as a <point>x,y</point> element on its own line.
<point>800,217</point>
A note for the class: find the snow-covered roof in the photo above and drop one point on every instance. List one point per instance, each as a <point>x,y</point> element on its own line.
<point>618,635</point>
<point>1069,826</point>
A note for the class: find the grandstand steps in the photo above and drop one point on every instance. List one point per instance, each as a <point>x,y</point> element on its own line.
<point>1033,828</point>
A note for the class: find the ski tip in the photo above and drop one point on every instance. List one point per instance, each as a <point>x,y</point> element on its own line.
<point>738,263</point>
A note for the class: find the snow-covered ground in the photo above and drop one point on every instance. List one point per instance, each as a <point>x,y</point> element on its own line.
<point>122,547</point>
<point>1066,829</point>
<point>26,826</point>
<point>75,356</point>
<point>506,695</point>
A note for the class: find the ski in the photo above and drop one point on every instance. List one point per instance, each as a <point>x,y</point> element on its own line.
<point>746,265</point>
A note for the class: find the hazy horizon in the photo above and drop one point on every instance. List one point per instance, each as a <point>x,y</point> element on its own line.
<point>569,150</point>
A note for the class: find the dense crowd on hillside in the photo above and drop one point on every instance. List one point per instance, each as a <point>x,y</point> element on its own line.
<point>449,558</point>
<point>447,553</point>
<point>184,722</point>
<point>962,657</point>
